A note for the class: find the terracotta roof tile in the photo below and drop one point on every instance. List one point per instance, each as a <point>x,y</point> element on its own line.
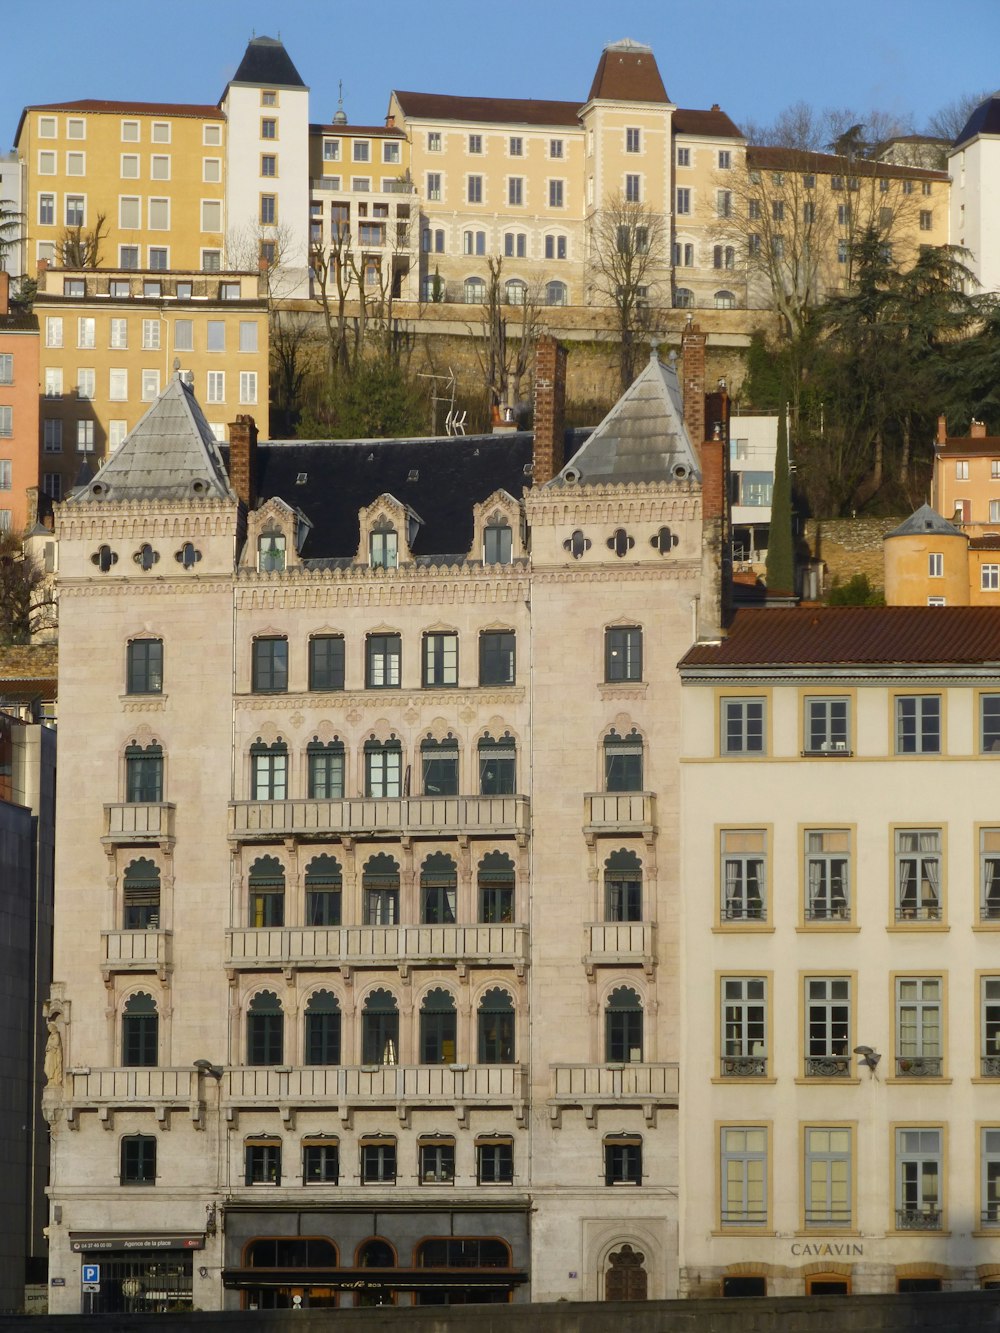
<point>963,446</point>
<point>765,158</point>
<point>628,73</point>
<point>714,124</point>
<point>839,636</point>
<point>97,106</point>
<point>487,110</point>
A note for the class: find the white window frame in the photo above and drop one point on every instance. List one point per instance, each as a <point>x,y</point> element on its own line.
<point>744,1027</point>
<point>827,874</point>
<point>919,1023</point>
<point>828,1026</point>
<point>919,1177</point>
<point>215,389</point>
<point>935,564</point>
<point>118,385</point>
<point>743,874</point>
<point>743,1174</point>
<point>151,335</point>
<point>918,723</point>
<point>743,726</point>
<point>150,385</point>
<point>248,386</point>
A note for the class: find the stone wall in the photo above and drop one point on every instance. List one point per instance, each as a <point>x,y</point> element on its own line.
<point>959,1312</point>
<point>32,662</point>
<point>849,546</point>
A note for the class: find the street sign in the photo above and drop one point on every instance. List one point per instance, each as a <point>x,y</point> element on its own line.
<point>91,1273</point>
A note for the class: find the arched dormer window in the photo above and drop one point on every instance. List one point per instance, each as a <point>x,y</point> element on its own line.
<point>383,546</point>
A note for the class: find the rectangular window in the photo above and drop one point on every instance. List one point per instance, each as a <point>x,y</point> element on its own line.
<point>498,542</point>
<point>378,1162</point>
<point>494,1161</point>
<point>74,210</point>
<point>263,1163</point>
<point>962,470</point>
<point>144,667</point>
<point>935,564</point>
<point>515,146</point>
<point>828,1172</point>
<point>725,159</point>
<point>475,143</point>
<point>320,1163</point>
<point>6,474</point>
<point>744,1176</point>
<point>75,164</point>
<point>440,660</point>
<point>744,875</point>
<point>555,148</point>
<point>248,386</point>
<point>6,421</point>
<point>270,665</point>
<point>268,209</point>
<point>268,128</point>
<point>926,219</point>
<point>683,200</point>
<point>86,331</point>
<point>989,1027</point>
<point>515,190</point>
<point>268,164</point>
<point>383,549</point>
<point>918,1179</point>
<point>918,874</point>
<point>248,335</point>
<point>556,194</point>
<point>683,158</point>
<point>53,331</point>
<point>744,1027</point>
<point>474,189</point>
<point>86,383</point>
<point>159,214</point>
<point>184,335</point>
<point>53,382</point>
<point>434,186</point>
<point>130,131</point>
<point>216,386</point>
<point>918,724</point>
<point>47,210</point>
<point>326,783</point>
<point>117,430</point>
<point>919,1048</point>
<point>633,189</point>
<point>46,163</point>
<point>326,662</point>
<point>128,257</point>
<point>623,1160</point>
<point>434,141</point>
<point>827,723</point>
<point>390,153</point>
<point>828,1027</point>
<point>138,1159</point>
<point>989,722</point>
<point>723,203</point>
<point>211,217</point>
<point>827,872</point>
<point>383,658</point>
<point>622,654</point>
<point>742,726</point>
<point>118,339</point>
<point>52,436</point>
<point>633,140</point>
<point>496,657</point>
<point>118,385</point>
<point>990,1178</point>
<point>151,335</point>
<point>85,437</point>
<point>989,577</point>
<point>437,1163</point>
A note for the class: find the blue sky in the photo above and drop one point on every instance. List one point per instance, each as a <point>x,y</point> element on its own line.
<point>754,57</point>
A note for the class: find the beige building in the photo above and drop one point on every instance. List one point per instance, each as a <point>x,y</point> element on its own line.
<point>838,1116</point>
<point>351,922</point>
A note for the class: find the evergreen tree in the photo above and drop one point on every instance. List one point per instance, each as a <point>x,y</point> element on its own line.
<point>780,573</point>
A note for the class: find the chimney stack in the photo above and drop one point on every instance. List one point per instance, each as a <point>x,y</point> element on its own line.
<point>693,383</point>
<point>942,431</point>
<point>243,459</point>
<point>977,430</point>
<point>550,408</point>
<point>4,292</point>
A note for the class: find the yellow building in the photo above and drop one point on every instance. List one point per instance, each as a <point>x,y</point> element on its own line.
<point>931,562</point>
<point>109,341</point>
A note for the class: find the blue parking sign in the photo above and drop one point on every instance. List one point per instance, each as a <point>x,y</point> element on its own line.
<point>91,1273</point>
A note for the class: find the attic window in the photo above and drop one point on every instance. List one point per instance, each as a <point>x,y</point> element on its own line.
<point>528,469</point>
<point>413,474</point>
<point>271,553</point>
<point>301,478</point>
<point>383,549</point>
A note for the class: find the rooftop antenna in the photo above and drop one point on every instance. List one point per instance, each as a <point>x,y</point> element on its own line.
<point>341,117</point>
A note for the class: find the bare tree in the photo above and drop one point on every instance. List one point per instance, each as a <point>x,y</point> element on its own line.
<point>629,271</point>
<point>80,248</point>
<point>505,354</point>
<point>294,351</point>
<point>24,604</point>
<point>262,248</point>
<point>951,119</point>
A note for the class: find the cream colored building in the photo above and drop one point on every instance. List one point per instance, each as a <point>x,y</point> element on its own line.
<point>839,1051</point>
<point>110,341</point>
<point>368,904</point>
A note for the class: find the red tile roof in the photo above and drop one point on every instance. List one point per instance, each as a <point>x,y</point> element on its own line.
<point>628,74</point>
<point>487,110</point>
<point>714,124</point>
<point>966,446</point>
<point>855,636</point>
<point>830,164</point>
<point>135,108</point>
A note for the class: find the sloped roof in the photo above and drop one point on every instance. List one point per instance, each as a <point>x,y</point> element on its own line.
<point>984,120</point>
<point>627,72</point>
<point>171,454</point>
<point>266,62</point>
<point>966,446</point>
<point>115,106</point>
<point>761,157</point>
<point>643,437</point>
<point>713,124</point>
<point>925,520</point>
<point>487,110</point>
<point>839,636</point>
<point>440,479</point>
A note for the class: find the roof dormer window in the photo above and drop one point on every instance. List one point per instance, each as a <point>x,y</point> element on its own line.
<point>271,553</point>
<point>383,548</point>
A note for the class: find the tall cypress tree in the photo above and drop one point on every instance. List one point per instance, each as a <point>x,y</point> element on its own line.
<point>780,574</point>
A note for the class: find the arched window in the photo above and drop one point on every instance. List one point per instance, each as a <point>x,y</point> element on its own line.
<point>265,1030</point>
<point>439,766</point>
<point>326,769</point>
<point>438,1028</point>
<point>323,891</point>
<point>268,771</point>
<point>496,889</point>
<point>556,293</point>
<point>623,1027</point>
<point>474,290</point>
<point>322,1044</point>
<point>516,292</point>
<point>725,301</point>
<point>496,1028</point>
<point>144,773</point>
<point>380,1029</point>
<point>380,891</point>
<point>623,761</point>
<point>140,1031</point>
<point>376,1254</point>
<point>497,765</point>
<point>623,887</point>
<point>498,543</point>
<point>438,890</point>
<point>141,895</point>
<point>683,298</point>
<point>266,883</point>
<point>383,546</point>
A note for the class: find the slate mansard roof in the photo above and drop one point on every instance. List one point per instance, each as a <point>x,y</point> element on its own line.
<point>267,64</point>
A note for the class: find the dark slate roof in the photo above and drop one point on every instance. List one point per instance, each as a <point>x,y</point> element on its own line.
<point>984,120</point>
<point>922,521</point>
<point>714,123</point>
<point>487,110</point>
<point>839,636</point>
<point>627,72</point>
<point>266,63</point>
<point>352,131</point>
<point>766,158</point>
<point>343,476</point>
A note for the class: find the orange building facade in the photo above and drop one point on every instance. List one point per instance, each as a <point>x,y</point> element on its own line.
<point>18,410</point>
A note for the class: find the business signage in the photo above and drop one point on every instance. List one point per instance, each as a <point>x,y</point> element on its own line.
<point>88,1241</point>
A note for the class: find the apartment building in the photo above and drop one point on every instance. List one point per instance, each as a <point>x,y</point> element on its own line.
<point>112,338</point>
<point>838,1123</point>
<point>382,1006</point>
<point>18,410</point>
<point>974,164</point>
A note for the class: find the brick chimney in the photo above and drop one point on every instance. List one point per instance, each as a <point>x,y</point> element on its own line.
<point>550,408</point>
<point>693,383</point>
<point>977,430</point>
<point>243,459</point>
<point>4,292</point>
<point>942,431</point>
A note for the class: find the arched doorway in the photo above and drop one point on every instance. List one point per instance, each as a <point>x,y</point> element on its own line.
<point>626,1278</point>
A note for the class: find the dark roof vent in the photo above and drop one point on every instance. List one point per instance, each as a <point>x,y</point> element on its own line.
<point>371,458</point>
<point>528,469</point>
<point>301,478</point>
<point>413,474</point>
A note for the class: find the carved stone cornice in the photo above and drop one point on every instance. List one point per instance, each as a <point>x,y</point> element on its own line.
<point>143,703</point>
<point>671,570</point>
<point>148,585</point>
<point>382,701</point>
<point>647,502</point>
<point>124,519</point>
<point>306,590</point>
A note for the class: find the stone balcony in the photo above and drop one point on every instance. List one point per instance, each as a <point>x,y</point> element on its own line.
<point>614,813</point>
<point>139,823</point>
<point>349,1088</point>
<point>349,947</point>
<point>650,1086</point>
<point>117,1089</point>
<point>619,944</point>
<point>361,817</point>
<point>136,951</point>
